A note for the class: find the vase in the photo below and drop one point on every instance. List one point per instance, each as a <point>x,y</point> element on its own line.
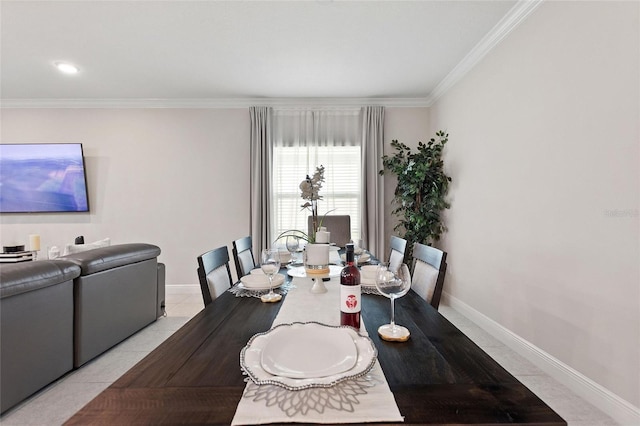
<point>316,258</point>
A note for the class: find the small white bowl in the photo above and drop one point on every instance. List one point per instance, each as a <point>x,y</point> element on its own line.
<point>285,257</point>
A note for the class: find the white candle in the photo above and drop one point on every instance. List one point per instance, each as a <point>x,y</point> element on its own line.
<point>34,242</point>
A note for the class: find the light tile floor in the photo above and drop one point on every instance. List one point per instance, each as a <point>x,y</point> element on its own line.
<point>60,400</point>
<point>575,410</point>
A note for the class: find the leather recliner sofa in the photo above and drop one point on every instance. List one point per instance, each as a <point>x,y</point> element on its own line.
<point>56,315</point>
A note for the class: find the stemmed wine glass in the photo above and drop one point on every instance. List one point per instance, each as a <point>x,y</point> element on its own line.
<point>293,244</point>
<point>359,251</point>
<point>270,265</point>
<point>393,284</point>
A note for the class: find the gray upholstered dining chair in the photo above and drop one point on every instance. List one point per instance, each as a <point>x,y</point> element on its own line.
<point>429,269</point>
<point>396,255</point>
<point>243,256</point>
<point>214,273</point>
<point>338,225</point>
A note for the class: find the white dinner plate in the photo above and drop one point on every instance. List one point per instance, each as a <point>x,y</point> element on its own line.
<point>257,281</point>
<point>243,287</point>
<point>308,351</point>
<point>299,272</point>
<point>251,358</point>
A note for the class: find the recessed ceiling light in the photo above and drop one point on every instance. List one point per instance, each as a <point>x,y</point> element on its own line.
<point>66,67</point>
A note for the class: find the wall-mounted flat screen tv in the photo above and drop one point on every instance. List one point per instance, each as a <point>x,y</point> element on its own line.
<point>42,177</point>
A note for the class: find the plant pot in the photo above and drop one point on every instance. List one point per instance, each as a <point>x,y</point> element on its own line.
<point>316,258</point>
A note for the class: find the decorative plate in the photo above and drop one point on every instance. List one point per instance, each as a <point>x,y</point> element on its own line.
<point>264,359</point>
<point>244,287</point>
<point>261,281</point>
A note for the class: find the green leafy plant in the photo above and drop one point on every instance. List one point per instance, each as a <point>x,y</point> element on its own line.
<point>420,194</point>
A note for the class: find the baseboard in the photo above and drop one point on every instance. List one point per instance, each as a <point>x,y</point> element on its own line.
<point>608,402</point>
<point>182,288</point>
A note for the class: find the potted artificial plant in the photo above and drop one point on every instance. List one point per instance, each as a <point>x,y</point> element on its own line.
<point>316,255</point>
<point>419,197</point>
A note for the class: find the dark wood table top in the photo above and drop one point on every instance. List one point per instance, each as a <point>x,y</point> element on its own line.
<point>438,377</point>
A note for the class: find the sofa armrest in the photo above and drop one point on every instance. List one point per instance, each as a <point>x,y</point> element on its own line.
<point>17,278</point>
<point>104,258</point>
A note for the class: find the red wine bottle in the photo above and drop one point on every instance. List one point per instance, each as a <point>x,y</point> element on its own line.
<point>350,299</point>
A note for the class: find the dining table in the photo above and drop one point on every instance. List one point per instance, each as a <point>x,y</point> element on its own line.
<point>439,376</point>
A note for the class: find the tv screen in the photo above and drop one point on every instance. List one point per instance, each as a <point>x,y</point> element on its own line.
<point>43,177</point>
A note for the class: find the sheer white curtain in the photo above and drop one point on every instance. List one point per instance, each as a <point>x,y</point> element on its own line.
<point>304,139</point>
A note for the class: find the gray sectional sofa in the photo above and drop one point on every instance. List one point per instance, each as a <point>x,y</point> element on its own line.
<point>56,315</point>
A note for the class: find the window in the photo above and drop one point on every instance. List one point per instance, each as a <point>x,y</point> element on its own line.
<point>303,140</point>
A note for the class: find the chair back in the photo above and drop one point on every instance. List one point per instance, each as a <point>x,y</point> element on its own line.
<point>214,273</point>
<point>429,269</point>
<point>338,225</point>
<point>243,256</point>
<point>396,255</point>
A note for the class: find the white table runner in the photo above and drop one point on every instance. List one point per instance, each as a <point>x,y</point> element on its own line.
<point>365,400</point>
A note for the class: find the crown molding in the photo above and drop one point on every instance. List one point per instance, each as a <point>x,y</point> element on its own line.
<point>212,103</point>
<point>518,13</point>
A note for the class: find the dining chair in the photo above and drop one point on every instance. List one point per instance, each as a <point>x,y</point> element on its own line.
<point>338,225</point>
<point>396,255</point>
<point>214,273</point>
<point>429,268</point>
<point>243,256</point>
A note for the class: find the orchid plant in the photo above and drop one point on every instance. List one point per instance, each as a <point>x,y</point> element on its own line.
<point>310,191</point>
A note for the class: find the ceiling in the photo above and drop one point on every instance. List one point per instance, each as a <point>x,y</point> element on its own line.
<point>201,52</point>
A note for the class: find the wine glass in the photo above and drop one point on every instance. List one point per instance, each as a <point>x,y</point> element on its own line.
<point>358,250</point>
<point>393,284</point>
<point>270,265</point>
<point>293,244</point>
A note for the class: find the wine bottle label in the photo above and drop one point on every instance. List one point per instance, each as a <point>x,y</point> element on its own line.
<point>350,299</point>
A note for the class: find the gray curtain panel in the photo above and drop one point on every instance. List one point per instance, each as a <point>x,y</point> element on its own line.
<point>373,232</point>
<point>261,161</point>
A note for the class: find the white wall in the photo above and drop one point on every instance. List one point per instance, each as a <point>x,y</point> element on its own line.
<point>175,178</point>
<point>178,178</point>
<point>543,230</point>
